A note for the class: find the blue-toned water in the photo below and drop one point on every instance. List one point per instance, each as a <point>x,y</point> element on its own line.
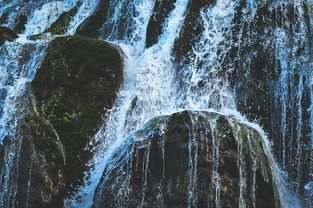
<point>154,84</point>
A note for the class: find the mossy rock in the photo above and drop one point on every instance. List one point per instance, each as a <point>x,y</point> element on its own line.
<point>76,83</point>
<point>61,25</point>
<point>6,34</point>
<point>37,174</point>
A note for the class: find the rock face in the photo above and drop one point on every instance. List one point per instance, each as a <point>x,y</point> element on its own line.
<point>76,82</point>
<point>93,24</point>
<point>160,12</point>
<point>274,88</point>
<point>45,156</point>
<point>7,34</point>
<point>37,170</point>
<point>60,26</point>
<point>191,29</point>
<point>189,158</point>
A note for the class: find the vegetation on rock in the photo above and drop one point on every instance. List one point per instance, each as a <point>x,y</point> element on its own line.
<point>40,179</point>
<point>60,26</point>
<point>74,86</point>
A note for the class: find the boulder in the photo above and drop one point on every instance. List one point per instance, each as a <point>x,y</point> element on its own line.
<point>190,159</point>
<point>6,34</point>
<point>75,85</point>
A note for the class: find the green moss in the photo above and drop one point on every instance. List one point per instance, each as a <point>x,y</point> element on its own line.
<point>76,82</point>
<point>60,26</point>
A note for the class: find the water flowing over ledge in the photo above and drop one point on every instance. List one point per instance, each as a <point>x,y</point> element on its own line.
<point>245,57</point>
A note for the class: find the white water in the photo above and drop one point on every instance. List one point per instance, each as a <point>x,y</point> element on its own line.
<point>150,83</point>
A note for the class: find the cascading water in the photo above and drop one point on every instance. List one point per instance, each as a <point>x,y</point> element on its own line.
<point>293,92</point>
<point>150,79</point>
<point>147,72</point>
<point>155,85</point>
<point>19,61</point>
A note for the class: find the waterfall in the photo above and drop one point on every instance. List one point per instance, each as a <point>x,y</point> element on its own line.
<point>293,91</point>
<point>151,87</point>
<point>212,75</point>
<point>148,80</point>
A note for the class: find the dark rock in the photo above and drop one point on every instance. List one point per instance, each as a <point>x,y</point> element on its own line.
<point>74,86</point>
<point>190,30</point>
<point>21,21</point>
<point>161,10</point>
<point>254,85</point>
<point>92,25</point>
<point>189,158</point>
<point>6,34</point>
<point>36,174</point>
<point>60,26</point>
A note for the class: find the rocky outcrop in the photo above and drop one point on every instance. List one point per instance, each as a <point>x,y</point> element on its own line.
<point>190,30</point>
<point>6,34</point>
<point>44,158</point>
<point>160,12</point>
<point>74,86</point>
<point>189,158</point>
<point>60,26</point>
<point>36,172</point>
<point>268,90</point>
<point>254,86</point>
<point>91,27</point>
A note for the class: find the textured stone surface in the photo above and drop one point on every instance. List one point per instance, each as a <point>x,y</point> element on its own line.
<point>93,24</point>
<point>74,86</point>
<point>189,158</point>
<point>36,172</point>
<point>6,34</point>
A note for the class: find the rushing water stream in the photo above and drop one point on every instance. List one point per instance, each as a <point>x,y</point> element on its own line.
<point>154,84</point>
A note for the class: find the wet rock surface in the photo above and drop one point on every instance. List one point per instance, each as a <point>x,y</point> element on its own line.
<point>191,29</point>
<point>74,86</point>
<point>189,158</point>
<point>60,26</point>
<point>92,26</point>
<point>6,34</point>
<point>37,162</point>
<point>160,13</point>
